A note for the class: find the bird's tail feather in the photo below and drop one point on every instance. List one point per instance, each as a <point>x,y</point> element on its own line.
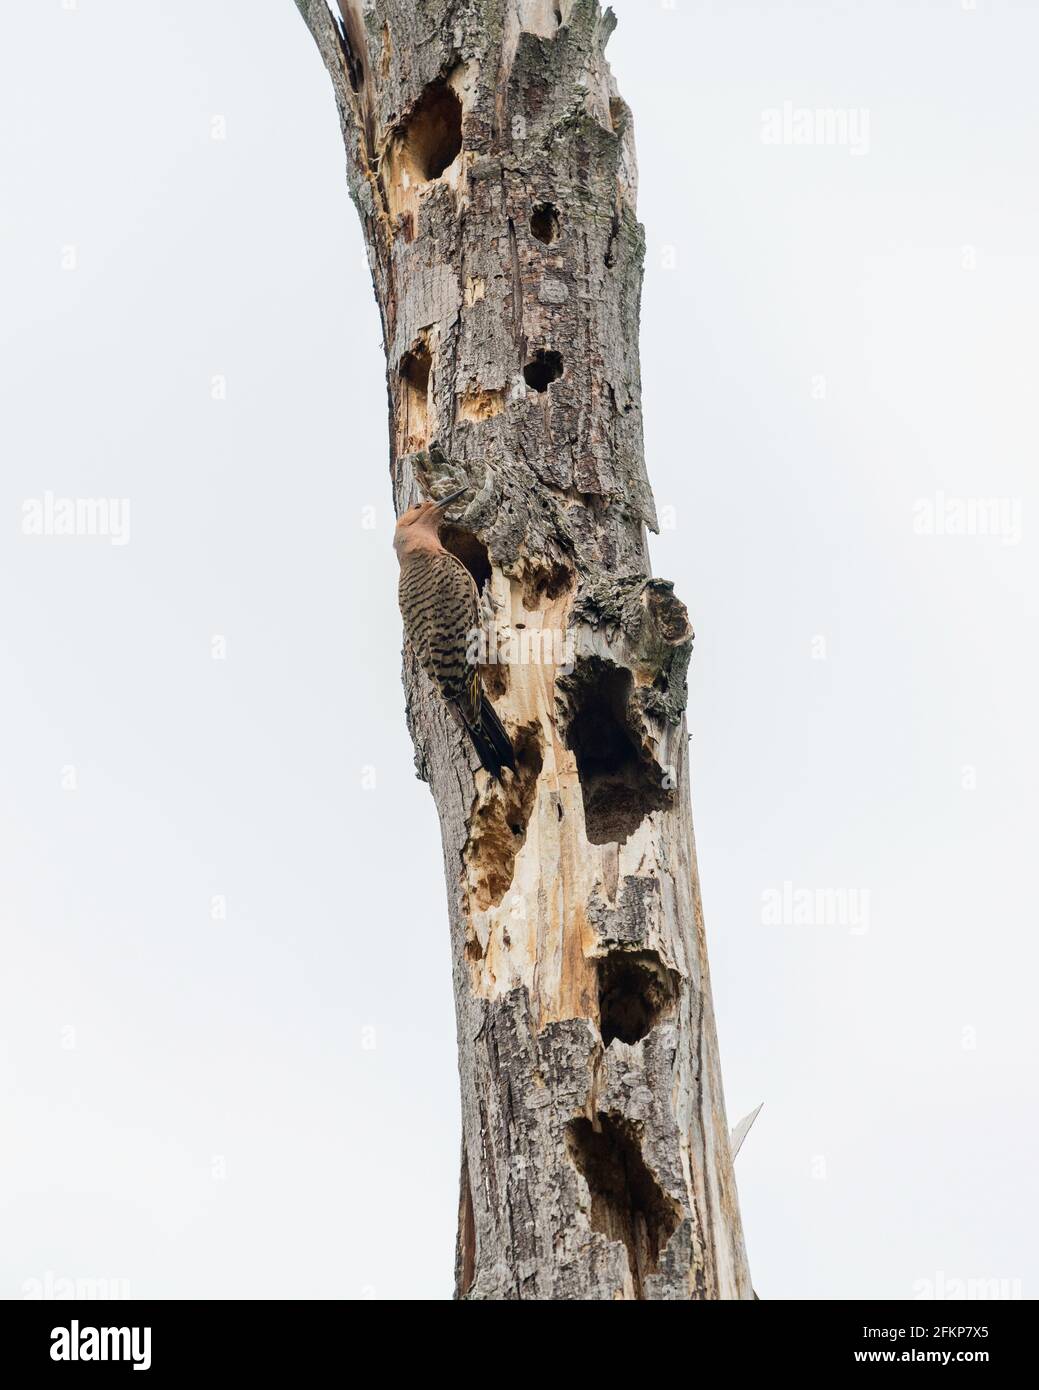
<point>490,739</point>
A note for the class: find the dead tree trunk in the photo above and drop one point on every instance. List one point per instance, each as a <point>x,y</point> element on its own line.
<point>492,162</point>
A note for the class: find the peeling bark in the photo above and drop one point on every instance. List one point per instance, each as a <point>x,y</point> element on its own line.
<point>492,163</point>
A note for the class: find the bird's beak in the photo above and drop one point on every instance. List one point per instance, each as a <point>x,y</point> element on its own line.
<point>451,497</point>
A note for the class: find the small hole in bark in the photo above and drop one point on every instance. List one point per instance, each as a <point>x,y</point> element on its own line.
<point>636,990</point>
<point>414,370</point>
<point>432,135</point>
<point>627,1203</point>
<point>544,223</point>
<point>468,548</point>
<point>543,370</point>
<point>620,783</point>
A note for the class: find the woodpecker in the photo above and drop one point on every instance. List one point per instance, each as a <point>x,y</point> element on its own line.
<point>441,611</point>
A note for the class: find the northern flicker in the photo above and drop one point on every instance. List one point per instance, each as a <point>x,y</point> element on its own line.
<point>441,610</point>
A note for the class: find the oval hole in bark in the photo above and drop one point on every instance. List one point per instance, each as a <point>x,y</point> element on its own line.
<point>415,367</point>
<point>627,1203</point>
<point>620,783</point>
<point>468,548</point>
<point>432,136</point>
<point>545,368</point>
<point>636,991</point>
<point>544,223</point>
<point>414,371</point>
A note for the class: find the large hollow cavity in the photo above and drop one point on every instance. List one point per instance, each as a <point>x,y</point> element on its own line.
<point>636,992</point>
<point>544,368</point>
<point>621,783</point>
<point>627,1203</point>
<point>432,135</point>
<point>470,549</point>
<point>544,223</point>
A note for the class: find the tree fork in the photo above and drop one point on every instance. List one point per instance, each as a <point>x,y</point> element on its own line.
<point>492,162</point>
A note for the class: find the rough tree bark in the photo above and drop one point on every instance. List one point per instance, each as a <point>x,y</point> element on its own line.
<point>492,162</point>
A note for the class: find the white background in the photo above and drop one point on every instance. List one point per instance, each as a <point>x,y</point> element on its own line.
<point>214,1124</point>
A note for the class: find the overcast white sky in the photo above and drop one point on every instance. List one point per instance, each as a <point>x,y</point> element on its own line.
<point>266,1105</point>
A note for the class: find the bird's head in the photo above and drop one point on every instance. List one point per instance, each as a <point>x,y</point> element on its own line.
<point>419,527</point>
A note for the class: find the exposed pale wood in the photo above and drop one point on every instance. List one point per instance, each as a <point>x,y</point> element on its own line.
<point>596,1157</point>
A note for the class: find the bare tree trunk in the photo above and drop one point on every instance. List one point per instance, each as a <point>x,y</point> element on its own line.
<point>492,162</point>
